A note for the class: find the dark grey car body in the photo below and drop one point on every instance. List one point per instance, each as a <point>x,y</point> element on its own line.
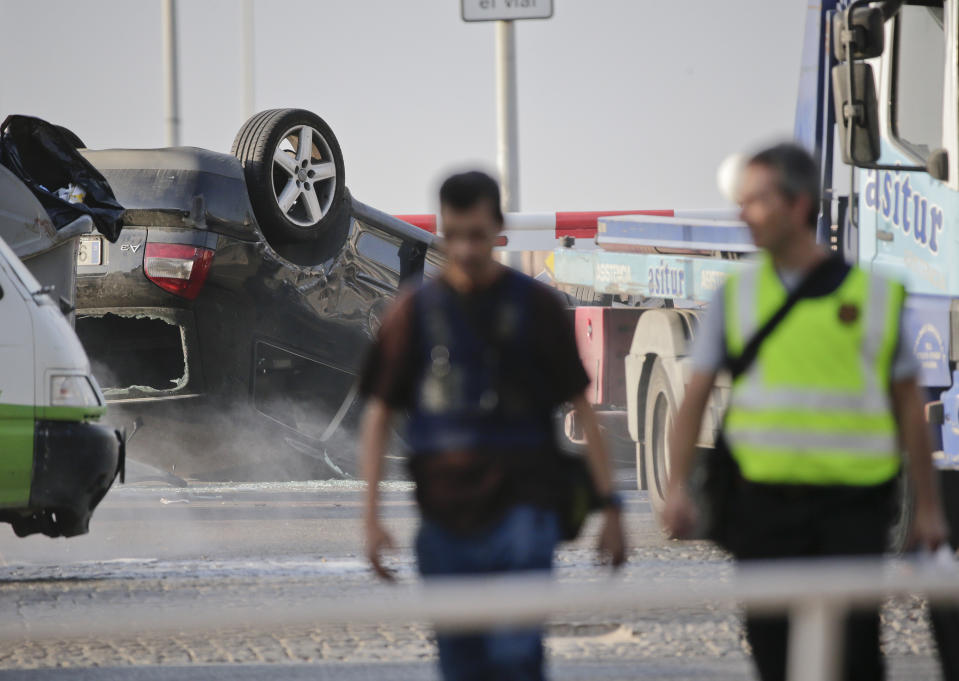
<point>256,377</point>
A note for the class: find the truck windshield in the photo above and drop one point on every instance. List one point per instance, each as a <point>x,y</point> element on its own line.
<point>918,75</point>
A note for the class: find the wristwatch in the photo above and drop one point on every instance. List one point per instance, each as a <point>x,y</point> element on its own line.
<point>611,500</point>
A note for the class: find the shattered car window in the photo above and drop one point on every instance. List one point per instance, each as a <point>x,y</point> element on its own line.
<point>386,253</point>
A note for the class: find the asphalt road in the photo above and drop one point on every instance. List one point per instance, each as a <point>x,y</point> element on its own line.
<point>157,549</point>
<point>686,670</point>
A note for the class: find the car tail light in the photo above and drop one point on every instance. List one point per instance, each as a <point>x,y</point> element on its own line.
<point>180,269</point>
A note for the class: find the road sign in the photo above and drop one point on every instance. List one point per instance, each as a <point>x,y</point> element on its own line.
<point>506,10</point>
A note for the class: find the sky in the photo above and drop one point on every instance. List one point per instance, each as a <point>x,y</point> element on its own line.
<point>623,104</point>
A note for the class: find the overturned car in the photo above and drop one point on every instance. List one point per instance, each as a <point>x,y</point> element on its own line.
<point>230,318</point>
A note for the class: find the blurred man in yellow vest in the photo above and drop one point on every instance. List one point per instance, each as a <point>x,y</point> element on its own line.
<point>820,408</point>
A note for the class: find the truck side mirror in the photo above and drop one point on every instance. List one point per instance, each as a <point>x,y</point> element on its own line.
<point>857,113</point>
<point>865,34</point>
<point>937,165</point>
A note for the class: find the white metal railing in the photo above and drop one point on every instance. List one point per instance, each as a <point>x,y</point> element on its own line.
<point>815,593</point>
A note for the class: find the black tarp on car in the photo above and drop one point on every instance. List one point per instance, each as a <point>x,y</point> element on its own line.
<point>45,157</point>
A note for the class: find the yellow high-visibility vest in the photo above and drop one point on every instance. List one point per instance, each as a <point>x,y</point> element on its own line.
<point>814,407</point>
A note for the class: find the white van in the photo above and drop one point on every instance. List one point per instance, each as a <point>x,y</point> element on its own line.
<point>56,461</point>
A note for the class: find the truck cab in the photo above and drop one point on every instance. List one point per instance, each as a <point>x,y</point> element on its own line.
<point>902,152</point>
<point>878,106</point>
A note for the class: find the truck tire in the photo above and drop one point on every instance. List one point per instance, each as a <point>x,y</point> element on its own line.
<point>641,482</point>
<point>294,173</point>
<point>660,411</point>
<point>904,509</point>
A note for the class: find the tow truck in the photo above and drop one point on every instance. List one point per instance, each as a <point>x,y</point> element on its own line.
<point>878,105</point>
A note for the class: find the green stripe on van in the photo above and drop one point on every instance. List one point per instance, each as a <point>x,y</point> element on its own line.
<point>16,411</point>
<point>16,454</point>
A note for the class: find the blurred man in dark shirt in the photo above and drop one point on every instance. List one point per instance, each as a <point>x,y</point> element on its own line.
<point>478,360</point>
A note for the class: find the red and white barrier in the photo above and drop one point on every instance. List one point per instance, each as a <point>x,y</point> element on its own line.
<point>542,231</point>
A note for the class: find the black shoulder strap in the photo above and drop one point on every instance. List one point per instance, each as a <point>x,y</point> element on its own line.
<point>737,366</point>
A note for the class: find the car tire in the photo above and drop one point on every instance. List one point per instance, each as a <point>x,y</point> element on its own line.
<point>294,173</point>
<point>660,411</point>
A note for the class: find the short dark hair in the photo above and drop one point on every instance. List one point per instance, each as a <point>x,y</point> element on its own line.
<point>798,173</point>
<point>464,190</point>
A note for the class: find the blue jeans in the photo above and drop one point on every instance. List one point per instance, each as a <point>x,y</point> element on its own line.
<point>523,540</point>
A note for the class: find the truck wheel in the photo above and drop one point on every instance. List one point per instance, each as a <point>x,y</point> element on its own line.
<point>294,173</point>
<point>902,518</point>
<point>660,411</point>
<point>641,481</point>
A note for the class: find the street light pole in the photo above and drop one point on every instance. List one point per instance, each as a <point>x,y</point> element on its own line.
<point>171,83</point>
<point>248,63</point>
<point>507,147</point>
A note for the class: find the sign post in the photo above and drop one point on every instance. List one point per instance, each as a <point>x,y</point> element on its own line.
<point>171,76</point>
<point>504,12</point>
<point>507,144</point>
